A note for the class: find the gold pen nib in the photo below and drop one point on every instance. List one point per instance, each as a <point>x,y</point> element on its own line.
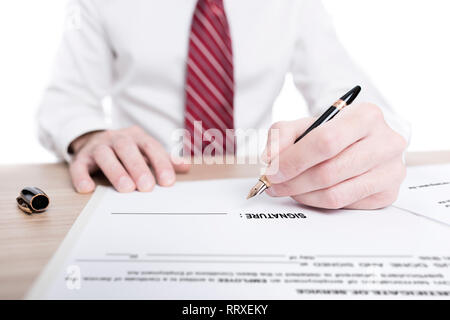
<point>259,188</point>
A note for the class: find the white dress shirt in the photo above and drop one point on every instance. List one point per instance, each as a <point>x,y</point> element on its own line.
<point>135,51</point>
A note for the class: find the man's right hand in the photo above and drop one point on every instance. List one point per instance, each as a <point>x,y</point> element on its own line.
<point>124,157</point>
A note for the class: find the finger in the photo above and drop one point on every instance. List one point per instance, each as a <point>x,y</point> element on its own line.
<point>181,165</point>
<point>159,159</point>
<point>324,142</point>
<point>357,159</point>
<point>282,135</point>
<point>376,201</point>
<point>130,156</point>
<point>107,161</point>
<point>353,190</point>
<point>79,172</point>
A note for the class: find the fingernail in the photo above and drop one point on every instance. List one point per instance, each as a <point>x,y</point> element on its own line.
<point>84,186</point>
<point>145,183</point>
<point>125,184</point>
<point>180,160</point>
<point>271,192</point>
<point>167,177</point>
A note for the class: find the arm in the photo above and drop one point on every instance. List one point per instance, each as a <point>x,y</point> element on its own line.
<point>81,78</point>
<point>72,122</point>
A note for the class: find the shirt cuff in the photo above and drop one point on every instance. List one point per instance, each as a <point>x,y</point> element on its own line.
<point>76,128</point>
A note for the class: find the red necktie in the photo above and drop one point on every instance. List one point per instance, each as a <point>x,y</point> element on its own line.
<point>209,79</point>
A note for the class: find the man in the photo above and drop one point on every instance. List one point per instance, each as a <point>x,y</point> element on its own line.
<point>221,63</point>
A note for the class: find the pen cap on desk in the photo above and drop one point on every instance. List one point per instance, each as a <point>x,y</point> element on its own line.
<point>32,199</point>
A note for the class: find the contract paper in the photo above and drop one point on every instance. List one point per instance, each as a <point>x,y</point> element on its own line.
<point>426,192</point>
<point>204,240</point>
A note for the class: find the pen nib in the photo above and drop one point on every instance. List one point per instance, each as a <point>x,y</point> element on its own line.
<point>251,194</point>
<point>259,188</point>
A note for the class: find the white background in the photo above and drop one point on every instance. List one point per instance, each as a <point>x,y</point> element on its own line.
<point>404,45</point>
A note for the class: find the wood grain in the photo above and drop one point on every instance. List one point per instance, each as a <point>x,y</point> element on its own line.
<point>28,241</point>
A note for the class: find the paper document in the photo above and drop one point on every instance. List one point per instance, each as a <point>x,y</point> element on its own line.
<point>426,192</point>
<point>203,240</point>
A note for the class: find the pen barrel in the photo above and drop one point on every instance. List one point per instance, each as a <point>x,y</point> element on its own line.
<point>327,116</point>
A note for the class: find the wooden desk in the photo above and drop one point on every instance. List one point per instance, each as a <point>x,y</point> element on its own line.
<point>28,241</point>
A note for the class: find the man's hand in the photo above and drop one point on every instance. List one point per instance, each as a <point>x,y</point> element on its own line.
<point>124,157</point>
<point>353,161</point>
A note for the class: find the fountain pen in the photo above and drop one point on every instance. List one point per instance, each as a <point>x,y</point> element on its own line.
<point>340,104</point>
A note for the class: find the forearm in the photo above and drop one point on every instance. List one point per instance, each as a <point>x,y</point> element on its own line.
<point>71,105</point>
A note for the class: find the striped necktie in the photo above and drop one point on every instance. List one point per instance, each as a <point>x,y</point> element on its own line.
<point>209,84</point>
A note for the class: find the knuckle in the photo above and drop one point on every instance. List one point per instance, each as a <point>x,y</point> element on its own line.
<point>333,199</point>
<point>117,177</point>
<point>122,143</point>
<point>77,162</point>
<point>372,112</point>
<point>108,134</point>
<point>283,190</point>
<point>161,163</point>
<point>135,129</point>
<point>325,174</point>
<point>399,141</point>
<point>100,150</point>
<point>136,166</point>
<point>326,143</point>
<point>147,145</point>
<point>289,166</point>
<point>152,145</point>
<point>74,165</point>
<point>366,190</point>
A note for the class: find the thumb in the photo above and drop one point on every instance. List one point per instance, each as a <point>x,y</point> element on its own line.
<point>282,135</point>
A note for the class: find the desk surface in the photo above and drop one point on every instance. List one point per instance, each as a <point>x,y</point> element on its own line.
<point>28,241</point>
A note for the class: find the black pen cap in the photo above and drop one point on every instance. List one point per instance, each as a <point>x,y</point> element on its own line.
<point>350,96</point>
<point>32,199</point>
